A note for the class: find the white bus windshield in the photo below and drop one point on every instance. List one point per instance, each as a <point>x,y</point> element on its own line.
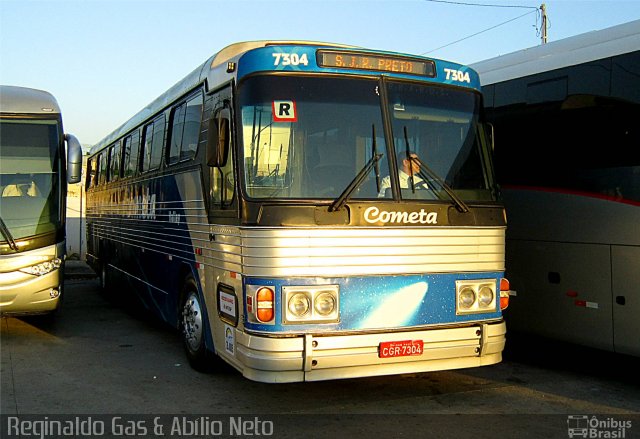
<point>29,189</point>
<point>308,138</point>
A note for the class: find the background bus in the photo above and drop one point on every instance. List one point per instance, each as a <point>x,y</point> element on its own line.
<point>33,177</point>
<point>246,206</point>
<point>567,152</point>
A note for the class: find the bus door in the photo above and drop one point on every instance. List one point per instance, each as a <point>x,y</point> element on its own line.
<point>223,297</point>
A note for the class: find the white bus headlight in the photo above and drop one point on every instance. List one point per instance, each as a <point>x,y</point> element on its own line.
<point>310,304</point>
<point>43,268</point>
<point>476,296</point>
<point>299,304</point>
<point>325,303</point>
<point>485,296</point>
<point>466,298</point>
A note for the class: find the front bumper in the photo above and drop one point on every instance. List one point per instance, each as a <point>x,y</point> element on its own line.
<point>23,294</point>
<point>317,357</point>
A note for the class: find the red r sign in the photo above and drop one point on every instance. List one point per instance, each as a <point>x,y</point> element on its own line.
<point>284,111</point>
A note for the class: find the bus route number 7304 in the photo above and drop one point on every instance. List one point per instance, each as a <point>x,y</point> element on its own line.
<point>290,59</point>
<point>457,75</point>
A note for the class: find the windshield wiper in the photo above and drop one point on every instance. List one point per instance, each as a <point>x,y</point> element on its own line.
<point>424,169</point>
<point>361,176</point>
<point>8,236</point>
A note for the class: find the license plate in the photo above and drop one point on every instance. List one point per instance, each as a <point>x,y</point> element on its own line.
<point>404,348</point>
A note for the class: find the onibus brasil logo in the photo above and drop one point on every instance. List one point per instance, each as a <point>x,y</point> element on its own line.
<point>593,427</point>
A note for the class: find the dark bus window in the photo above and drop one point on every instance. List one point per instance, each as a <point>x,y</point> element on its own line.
<point>158,142</point>
<point>115,159</point>
<point>146,147</point>
<point>176,134</point>
<point>102,161</point>
<point>191,133</point>
<point>130,150</point>
<point>185,131</point>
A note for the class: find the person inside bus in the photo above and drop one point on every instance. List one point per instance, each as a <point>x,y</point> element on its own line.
<point>408,170</point>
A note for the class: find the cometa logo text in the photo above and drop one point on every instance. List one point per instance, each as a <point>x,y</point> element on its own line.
<point>373,215</point>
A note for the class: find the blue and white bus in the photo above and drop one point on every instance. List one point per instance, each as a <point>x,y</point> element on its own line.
<point>261,206</point>
<point>37,160</point>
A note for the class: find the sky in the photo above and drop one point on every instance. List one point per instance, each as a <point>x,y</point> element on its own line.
<point>104,60</point>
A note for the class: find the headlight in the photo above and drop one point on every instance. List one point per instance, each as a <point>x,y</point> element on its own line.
<point>43,268</point>
<point>476,296</point>
<point>466,298</point>
<point>485,296</point>
<point>325,303</point>
<point>310,304</point>
<point>299,304</point>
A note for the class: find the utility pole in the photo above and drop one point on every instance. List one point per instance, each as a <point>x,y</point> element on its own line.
<point>543,13</point>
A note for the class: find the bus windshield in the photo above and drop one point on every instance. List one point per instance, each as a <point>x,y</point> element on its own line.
<point>29,191</point>
<point>309,137</point>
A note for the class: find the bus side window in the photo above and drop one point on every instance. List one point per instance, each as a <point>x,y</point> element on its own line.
<point>185,130</point>
<point>177,127</point>
<point>191,134</point>
<point>146,147</point>
<point>102,163</point>
<point>115,160</point>
<point>223,177</point>
<point>131,149</point>
<point>89,174</point>
<point>158,142</point>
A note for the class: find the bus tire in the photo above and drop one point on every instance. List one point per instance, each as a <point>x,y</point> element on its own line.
<point>192,326</point>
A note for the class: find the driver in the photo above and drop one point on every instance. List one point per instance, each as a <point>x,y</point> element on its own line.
<point>409,169</point>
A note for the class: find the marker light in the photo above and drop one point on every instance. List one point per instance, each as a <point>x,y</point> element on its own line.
<point>264,304</point>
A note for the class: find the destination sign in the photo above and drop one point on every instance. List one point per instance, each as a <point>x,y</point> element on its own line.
<point>383,63</point>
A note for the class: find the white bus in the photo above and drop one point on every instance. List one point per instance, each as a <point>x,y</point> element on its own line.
<point>34,171</point>
<point>567,154</point>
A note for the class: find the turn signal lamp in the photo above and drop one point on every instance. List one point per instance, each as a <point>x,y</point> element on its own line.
<point>505,290</point>
<point>264,304</point>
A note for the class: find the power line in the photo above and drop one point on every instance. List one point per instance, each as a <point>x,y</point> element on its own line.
<point>481,4</point>
<point>477,33</point>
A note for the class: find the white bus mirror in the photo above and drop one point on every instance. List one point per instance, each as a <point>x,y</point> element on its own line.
<point>74,159</point>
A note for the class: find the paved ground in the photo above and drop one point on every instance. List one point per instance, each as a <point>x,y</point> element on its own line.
<point>101,359</point>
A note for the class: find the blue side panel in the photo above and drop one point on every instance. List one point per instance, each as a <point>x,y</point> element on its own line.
<point>156,238</point>
<point>368,303</point>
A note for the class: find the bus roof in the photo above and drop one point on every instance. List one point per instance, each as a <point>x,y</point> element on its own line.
<point>236,49</point>
<point>567,52</point>
<point>22,100</point>
<point>214,72</point>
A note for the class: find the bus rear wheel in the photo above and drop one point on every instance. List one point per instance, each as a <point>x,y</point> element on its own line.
<point>192,325</point>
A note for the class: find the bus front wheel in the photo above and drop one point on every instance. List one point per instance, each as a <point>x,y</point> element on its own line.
<point>193,326</point>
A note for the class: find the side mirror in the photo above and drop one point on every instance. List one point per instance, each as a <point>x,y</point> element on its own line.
<point>74,159</point>
<point>219,138</point>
